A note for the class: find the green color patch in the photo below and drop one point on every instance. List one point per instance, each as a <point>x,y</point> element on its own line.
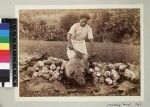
<point>4,39</point>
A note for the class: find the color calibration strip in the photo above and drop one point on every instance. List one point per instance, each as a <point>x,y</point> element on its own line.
<point>4,54</point>
<point>8,52</point>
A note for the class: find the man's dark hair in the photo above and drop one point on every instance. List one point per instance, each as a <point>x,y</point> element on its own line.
<point>88,17</point>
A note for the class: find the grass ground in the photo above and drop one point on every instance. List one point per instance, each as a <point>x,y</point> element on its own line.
<point>106,52</point>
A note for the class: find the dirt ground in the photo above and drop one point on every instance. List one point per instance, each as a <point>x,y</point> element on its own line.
<point>31,87</point>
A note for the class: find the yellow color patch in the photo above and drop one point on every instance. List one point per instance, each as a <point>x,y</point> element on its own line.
<point>4,46</point>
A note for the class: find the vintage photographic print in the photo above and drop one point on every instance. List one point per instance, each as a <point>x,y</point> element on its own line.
<point>80,52</point>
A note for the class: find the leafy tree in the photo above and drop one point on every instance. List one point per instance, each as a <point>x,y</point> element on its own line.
<point>68,20</point>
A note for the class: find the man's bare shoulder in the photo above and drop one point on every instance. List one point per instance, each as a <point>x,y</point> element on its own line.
<point>88,26</point>
<point>75,24</point>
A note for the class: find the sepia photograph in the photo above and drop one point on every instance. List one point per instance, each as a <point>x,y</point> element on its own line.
<point>80,51</point>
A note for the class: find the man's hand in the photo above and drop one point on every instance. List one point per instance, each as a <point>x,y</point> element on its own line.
<point>93,54</point>
<point>70,46</point>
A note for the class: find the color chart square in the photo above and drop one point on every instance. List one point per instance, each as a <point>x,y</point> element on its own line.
<point>4,52</point>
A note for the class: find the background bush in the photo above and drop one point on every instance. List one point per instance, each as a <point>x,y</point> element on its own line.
<point>109,25</point>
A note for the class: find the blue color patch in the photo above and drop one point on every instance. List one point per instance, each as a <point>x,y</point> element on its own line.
<point>4,33</point>
<point>4,26</point>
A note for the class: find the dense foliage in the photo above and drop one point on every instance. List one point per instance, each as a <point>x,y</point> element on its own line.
<point>109,25</point>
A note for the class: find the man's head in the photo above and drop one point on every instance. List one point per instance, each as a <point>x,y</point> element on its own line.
<point>84,19</point>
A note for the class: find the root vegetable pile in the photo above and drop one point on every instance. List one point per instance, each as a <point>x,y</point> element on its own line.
<point>111,74</point>
<point>51,69</point>
<point>54,68</point>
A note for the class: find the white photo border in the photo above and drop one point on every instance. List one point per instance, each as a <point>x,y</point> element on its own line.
<point>87,98</point>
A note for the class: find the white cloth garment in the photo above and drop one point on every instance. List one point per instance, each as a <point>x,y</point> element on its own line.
<point>79,34</point>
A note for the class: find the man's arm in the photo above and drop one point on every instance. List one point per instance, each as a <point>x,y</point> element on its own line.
<point>70,35</point>
<point>91,39</point>
<point>70,46</point>
<point>92,47</point>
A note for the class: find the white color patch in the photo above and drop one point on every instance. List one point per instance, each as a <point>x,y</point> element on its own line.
<point>4,65</point>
